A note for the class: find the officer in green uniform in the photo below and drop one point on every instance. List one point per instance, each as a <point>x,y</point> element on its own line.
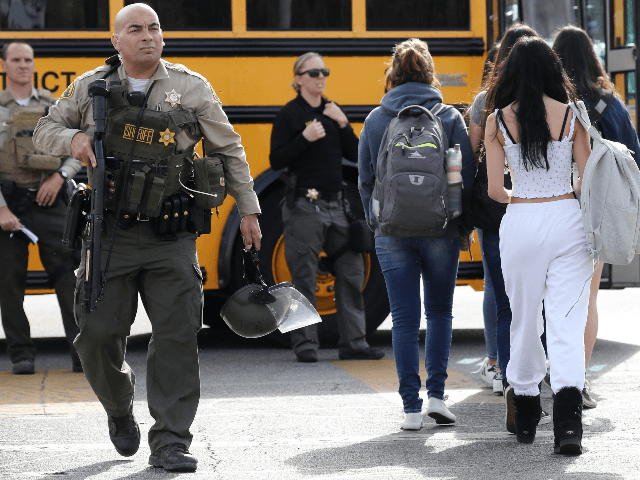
<point>31,196</point>
<point>181,109</point>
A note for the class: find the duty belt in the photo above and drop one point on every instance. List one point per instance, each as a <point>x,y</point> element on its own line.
<point>314,194</point>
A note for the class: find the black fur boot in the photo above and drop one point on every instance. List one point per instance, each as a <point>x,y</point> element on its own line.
<point>567,421</point>
<point>528,411</point>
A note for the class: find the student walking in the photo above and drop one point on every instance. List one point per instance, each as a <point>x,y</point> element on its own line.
<point>488,228</point>
<point>542,241</point>
<point>574,48</point>
<point>411,80</point>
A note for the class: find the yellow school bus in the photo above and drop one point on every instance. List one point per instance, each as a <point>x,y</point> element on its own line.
<point>246,49</point>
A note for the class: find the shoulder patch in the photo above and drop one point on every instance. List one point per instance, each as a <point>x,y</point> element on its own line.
<point>215,97</point>
<point>68,93</point>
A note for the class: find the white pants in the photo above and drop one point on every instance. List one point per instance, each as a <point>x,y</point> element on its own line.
<point>543,251</point>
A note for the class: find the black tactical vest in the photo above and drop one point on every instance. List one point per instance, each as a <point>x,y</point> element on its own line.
<point>158,166</point>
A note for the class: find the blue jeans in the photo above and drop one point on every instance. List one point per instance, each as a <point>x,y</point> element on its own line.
<point>491,256</point>
<point>489,310</point>
<point>403,260</point>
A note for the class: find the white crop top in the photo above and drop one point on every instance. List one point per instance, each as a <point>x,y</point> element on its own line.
<point>540,182</point>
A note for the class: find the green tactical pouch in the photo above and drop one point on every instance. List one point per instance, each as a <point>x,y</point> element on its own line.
<point>135,185</point>
<point>208,175</point>
<point>155,197</point>
<point>178,171</point>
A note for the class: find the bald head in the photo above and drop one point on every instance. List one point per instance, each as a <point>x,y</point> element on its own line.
<point>122,16</point>
<point>138,39</point>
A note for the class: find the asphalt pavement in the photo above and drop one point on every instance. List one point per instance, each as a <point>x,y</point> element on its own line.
<point>262,415</point>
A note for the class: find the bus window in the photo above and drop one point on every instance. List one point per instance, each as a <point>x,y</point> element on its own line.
<point>630,39</point>
<point>298,15</point>
<point>418,15</point>
<point>198,15</point>
<point>547,17</point>
<point>595,27</point>
<point>511,13</point>
<point>54,15</point>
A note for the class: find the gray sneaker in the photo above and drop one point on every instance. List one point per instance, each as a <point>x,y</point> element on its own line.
<point>23,367</point>
<point>587,401</point>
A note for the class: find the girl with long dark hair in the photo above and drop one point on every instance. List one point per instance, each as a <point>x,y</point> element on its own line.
<point>488,234</point>
<point>573,46</point>
<point>542,241</point>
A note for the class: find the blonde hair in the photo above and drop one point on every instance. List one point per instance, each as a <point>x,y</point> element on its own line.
<point>411,62</point>
<point>297,67</point>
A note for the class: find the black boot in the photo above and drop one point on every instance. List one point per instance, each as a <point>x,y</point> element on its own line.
<point>174,457</point>
<point>528,411</point>
<point>567,421</point>
<point>125,433</point>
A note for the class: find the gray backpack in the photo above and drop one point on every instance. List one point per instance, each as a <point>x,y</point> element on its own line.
<point>410,194</point>
<point>610,198</point>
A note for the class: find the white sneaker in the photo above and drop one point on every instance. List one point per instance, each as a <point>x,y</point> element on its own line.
<point>544,418</point>
<point>497,384</point>
<point>487,372</point>
<point>587,401</point>
<point>439,411</point>
<point>412,421</point>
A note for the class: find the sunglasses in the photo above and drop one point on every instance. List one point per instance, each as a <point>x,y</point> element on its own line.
<point>315,72</point>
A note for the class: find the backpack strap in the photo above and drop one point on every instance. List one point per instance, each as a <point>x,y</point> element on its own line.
<point>580,111</point>
<point>601,105</point>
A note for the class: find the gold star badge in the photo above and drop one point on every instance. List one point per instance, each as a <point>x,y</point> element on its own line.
<point>166,137</point>
<point>173,98</point>
<point>312,194</point>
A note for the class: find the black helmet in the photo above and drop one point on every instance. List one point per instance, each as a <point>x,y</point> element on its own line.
<point>256,310</point>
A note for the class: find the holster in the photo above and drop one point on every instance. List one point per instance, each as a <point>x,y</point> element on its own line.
<point>361,238</point>
<point>18,199</point>
<point>76,216</point>
<point>199,220</point>
<point>290,181</point>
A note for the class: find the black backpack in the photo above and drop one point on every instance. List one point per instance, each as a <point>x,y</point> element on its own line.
<point>410,194</point>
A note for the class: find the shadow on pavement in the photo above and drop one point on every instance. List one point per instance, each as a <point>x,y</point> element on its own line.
<point>439,452</point>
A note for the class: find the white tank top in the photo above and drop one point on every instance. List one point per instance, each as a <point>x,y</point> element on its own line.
<point>540,182</point>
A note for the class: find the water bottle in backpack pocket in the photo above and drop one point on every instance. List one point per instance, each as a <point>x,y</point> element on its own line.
<point>453,162</point>
<point>410,197</point>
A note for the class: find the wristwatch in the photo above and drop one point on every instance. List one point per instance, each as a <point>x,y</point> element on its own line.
<point>63,174</point>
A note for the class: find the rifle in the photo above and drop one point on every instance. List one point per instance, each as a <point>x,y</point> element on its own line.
<point>95,279</point>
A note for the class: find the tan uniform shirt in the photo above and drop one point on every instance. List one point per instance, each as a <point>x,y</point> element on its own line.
<point>73,113</point>
<point>70,165</point>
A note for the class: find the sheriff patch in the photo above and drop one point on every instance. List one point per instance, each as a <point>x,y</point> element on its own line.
<point>145,135</point>
<point>68,93</point>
